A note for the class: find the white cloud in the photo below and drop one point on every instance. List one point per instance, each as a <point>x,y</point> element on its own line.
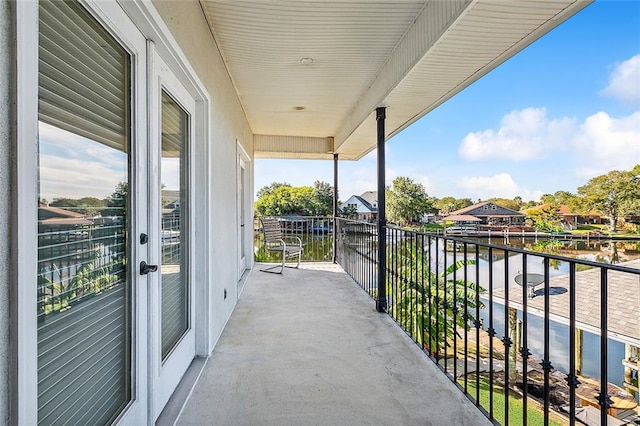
<point>604,143</point>
<point>74,178</point>
<point>72,166</point>
<point>501,185</point>
<point>427,183</point>
<point>624,81</point>
<point>596,146</point>
<point>523,135</point>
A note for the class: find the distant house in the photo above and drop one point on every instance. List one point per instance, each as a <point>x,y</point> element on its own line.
<point>491,214</point>
<point>569,219</point>
<point>366,205</point>
<point>574,219</point>
<point>371,197</point>
<point>50,218</point>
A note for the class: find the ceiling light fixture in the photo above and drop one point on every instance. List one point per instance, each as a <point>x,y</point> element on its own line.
<point>298,108</point>
<point>306,61</point>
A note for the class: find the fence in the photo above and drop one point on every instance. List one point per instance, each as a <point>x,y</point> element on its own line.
<point>531,338</point>
<point>316,233</point>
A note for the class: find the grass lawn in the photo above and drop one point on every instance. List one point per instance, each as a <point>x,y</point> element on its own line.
<point>430,227</point>
<point>534,414</point>
<point>629,231</point>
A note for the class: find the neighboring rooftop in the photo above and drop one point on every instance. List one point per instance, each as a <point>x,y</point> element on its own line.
<point>623,302</point>
<point>486,208</point>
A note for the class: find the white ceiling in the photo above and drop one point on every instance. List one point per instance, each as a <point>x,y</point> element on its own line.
<point>409,56</point>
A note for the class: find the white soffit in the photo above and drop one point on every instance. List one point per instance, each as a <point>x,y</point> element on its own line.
<point>293,147</point>
<point>408,55</point>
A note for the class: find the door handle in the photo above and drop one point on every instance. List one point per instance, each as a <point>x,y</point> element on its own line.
<point>145,268</point>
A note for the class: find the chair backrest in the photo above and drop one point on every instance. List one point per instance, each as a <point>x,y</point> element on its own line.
<point>271,228</point>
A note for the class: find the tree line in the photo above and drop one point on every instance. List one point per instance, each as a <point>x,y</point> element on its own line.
<point>113,205</point>
<point>613,195</point>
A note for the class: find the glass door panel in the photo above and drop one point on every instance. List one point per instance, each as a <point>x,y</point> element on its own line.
<point>242,172</point>
<point>175,298</point>
<point>172,335</point>
<point>84,286</point>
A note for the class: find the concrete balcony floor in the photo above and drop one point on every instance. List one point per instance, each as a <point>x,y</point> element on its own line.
<point>308,348</point>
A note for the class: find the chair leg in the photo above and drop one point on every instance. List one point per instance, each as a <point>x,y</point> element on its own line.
<point>270,269</point>
<point>281,266</point>
<point>299,260</point>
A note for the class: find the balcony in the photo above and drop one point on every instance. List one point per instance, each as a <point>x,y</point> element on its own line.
<point>308,344</point>
<point>308,347</point>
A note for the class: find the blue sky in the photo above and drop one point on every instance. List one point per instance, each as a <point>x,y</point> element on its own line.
<point>560,112</point>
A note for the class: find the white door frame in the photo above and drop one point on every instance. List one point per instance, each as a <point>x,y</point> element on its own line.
<point>125,21</point>
<point>24,383</point>
<point>243,178</point>
<point>147,18</point>
<point>166,374</point>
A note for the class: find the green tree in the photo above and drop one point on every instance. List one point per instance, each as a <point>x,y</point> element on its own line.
<point>281,199</point>
<point>514,204</point>
<point>266,190</point>
<point>447,205</point>
<point>407,201</point>
<point>117,202</point>
<point>564,197</point>
<point>70,204</point>
<point>529,204</point>
<point>614,194</point>
<point>86,205</point>
<point>546,218</point>
<point>547,198</point>
<point>350,211</point>
<point>323,194</point>
<point>461,203</point>
<point>425,301</point>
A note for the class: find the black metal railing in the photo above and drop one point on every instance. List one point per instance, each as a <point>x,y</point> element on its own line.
<point>316,233</point>
<point>530,338</point>
<point>79,257</point>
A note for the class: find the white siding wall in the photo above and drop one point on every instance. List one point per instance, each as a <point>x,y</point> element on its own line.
<point>228,123</point>
<point>6,123</point>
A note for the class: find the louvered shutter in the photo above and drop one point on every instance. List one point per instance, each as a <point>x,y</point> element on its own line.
<point>83,293</point>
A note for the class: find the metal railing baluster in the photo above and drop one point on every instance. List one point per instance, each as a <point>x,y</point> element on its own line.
<point>454,309</point>
<point>524,350</point>
<point>572,379</point>
<point>491,331</point>
<point>425,300</point>
<point>546,362</point>
<point>478,324</point>
<point>506,340</point>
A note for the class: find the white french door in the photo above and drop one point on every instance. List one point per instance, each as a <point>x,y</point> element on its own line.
<point>90,339</point>
<point>242,215</point>
<point>171,307</point>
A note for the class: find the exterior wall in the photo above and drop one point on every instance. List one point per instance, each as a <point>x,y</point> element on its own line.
<point>7,121</point>
<point>228,123</point>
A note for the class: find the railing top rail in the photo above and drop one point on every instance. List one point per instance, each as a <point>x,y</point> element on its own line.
<point>361,222</point>
<point>585,262</point>
<point>294,216</point>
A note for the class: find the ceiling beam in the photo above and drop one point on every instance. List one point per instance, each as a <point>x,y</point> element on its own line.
<point>302,147</point>
<point>429,26</point>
